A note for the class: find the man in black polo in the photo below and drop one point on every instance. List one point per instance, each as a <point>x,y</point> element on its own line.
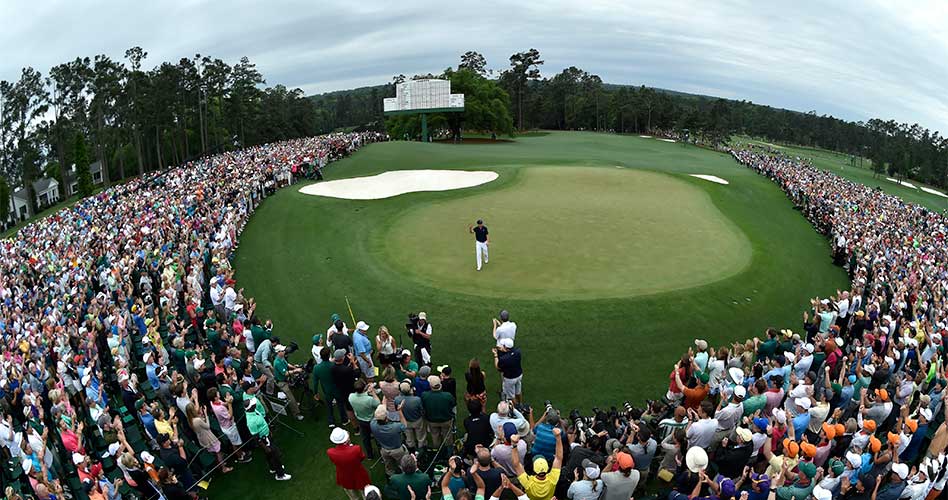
<point>481,241</point>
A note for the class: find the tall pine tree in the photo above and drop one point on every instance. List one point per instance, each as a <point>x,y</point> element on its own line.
<point>81,159</point>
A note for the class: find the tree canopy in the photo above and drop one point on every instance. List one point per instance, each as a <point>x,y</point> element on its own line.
<point>136,119</point>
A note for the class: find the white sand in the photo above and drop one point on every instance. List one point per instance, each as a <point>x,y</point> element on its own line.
<point>645,136</point>
<point>903,183</point>
<point>668,140</point>
<point>712,178</point>
<point>389,184</point>
<point>934,192</point>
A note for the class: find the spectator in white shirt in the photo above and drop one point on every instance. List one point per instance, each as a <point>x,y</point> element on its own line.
<point>504,328</point>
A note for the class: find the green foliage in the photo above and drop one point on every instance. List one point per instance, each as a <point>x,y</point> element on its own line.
<point>81,159</point>
<point>4,200</point>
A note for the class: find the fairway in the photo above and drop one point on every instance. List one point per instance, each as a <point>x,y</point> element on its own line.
<point>572,232</point>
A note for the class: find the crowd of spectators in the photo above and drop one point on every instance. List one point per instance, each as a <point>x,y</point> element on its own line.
<point>120,324</point>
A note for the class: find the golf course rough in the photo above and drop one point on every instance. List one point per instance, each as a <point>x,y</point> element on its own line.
<point>572,233</point>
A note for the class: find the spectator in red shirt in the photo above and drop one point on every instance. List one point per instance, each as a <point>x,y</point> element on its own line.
<point>350,473</point>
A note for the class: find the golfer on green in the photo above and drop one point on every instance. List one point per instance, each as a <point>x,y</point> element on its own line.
<point>481,240</point>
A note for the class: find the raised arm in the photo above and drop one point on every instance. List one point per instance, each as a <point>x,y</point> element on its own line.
<point>558,456</point>
<point>515,455</point>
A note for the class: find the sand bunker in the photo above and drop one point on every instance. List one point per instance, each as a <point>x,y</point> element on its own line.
<point>645,136</point>
<point>389,184</point>
<point>713,178</point>
<point>903,183</point>
<point>934,192</point>
<point>668,140</point>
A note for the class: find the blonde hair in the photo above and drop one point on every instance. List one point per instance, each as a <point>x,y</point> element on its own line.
<point>384,329</point>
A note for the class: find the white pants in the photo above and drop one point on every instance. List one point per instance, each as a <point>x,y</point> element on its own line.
<point>481,250</point>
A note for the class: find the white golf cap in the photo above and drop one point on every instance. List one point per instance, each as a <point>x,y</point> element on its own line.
<point>870,369</point>
<point>740,391</point>
<point>926,413</point>
<point>78,458</point>
<point>821,493</point>
<point>809,348</point>
<point>362,326</point>
<point>339,435</point>
<point>506,343</point>
<point>114,448</point>
<point>423,315</point>
<point>900,470</point>
<point>736,374</point>
<point>147,457</point>
<point>803,403</point>
<point>279,348</point>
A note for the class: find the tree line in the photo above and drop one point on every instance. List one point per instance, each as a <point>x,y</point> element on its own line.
<point>574,99</point>
<point>134,120</point>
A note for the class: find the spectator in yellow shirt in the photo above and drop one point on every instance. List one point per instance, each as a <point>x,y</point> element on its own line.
<point>541,485</point>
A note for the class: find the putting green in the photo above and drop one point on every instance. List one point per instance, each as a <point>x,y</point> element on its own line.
<point>572,232</point>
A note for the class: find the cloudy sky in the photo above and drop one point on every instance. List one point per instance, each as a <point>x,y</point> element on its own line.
<point>851,59</point>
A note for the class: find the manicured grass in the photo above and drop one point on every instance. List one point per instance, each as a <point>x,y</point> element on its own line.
<point>570,232</point>
<point>301,255</point>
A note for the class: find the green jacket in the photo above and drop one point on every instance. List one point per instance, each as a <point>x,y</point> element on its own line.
<point>322,376</point>
<point>438,406</point>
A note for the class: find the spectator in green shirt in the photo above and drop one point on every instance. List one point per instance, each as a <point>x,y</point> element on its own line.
<point>439,411</point>
<point>282,370</point>
<point>364,402</point>
<point>406,369</point>
<point>758,398</point>
<point>768,347</point>
<point>410,477</point>
<point>257,423</point>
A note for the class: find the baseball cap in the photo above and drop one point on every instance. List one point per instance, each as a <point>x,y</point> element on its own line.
<point>590,469</point>
<point>423,315</point>
<point>339,354</point>
<point>702,345</point>
<point>279,348</point>
<point>509,430</point>
<point>803,403</point>
<point>369,489</point>
<point>926,413</point>
<point>506,343</point>
<point>435,382</point>
<point>744,434</point>
<point>726,486</point>
<point>362,326</point>
<point>900,470</point>
<point>761,423</point>
<point>625,460</point>
<point>147,457</point>
<point>821,493</point>
<point>540,465</point>
<point>740,391</point>
<point>317,338</point>
<point>78,458</point>
<point>808,469</point>
<point>790,448</point>
<point>869,425</point>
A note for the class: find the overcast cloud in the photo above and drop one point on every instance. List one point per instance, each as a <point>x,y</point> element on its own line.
<point>855,60</point>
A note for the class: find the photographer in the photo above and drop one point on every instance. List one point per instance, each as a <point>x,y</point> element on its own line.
<point>421,336</point>
<point>282,370</point>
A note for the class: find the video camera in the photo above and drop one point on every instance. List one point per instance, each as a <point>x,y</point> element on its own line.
<point>412,323</point>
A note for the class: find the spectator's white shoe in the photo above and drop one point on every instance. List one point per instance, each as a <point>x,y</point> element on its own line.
<point>299,417</point>
<point>284,477</point>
